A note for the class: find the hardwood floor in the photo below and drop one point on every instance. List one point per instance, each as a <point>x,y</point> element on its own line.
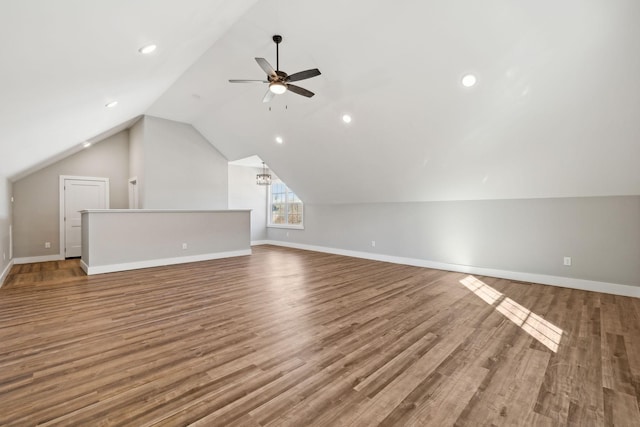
<point>288,337</point>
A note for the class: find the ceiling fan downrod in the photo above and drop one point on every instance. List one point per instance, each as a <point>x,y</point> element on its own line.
<point>277,39</point>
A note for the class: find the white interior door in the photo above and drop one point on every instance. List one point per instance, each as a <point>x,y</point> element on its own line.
<point>80,194</point>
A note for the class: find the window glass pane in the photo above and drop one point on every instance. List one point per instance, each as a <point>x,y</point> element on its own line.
<point>278,203</point>
<point>285,208</point>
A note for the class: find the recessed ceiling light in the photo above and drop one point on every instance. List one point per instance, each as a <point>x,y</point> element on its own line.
<point>279,139</point>
<point>346,118</point>
<point>145,50</point>
<point>469,80</point>
<point>86,145</point>
<point>111,104</point>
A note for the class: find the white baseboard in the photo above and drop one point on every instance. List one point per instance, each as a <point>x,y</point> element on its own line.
<point>100,269</point>
<point>260,242</point>
<point>564,282</point>
<point>5,272</point>
<point>43,258</point>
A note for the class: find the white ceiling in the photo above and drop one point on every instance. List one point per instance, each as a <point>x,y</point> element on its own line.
<point>554,114</point>
<point>63,60</point>
<point>248,162</point>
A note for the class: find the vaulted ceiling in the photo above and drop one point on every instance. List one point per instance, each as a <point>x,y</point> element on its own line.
<point>64,60</point>
<point>554,112</point>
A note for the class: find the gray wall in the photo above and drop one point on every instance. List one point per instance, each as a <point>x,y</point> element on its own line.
<point>5,222</point>
<point>601,234</point>
<point>36,206</point>
<point>244,193</point>
<point>176,169</point>
<point>182,170</point>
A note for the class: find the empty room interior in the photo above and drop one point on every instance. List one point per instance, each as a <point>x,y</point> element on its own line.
<point>296,213</point>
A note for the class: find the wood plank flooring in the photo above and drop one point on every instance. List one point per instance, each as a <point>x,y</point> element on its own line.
<point>295,338</point>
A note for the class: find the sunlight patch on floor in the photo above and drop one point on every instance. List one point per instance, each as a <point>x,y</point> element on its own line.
<point>545,332</point>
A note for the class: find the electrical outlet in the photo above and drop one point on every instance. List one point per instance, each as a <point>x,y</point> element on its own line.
<point>373,243</point>
<point>287,234</point>
<point>47,245</point>
<point>184,246</point>
<point>567,261</point>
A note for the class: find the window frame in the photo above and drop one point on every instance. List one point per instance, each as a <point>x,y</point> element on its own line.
<point>269,208</point>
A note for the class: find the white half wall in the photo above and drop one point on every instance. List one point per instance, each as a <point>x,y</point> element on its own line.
<point>116,240</point>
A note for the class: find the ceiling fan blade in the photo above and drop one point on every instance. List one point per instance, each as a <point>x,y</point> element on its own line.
<point>300,91</point>
<point>302,75</point>
<point>264,64</point>
<point>247,81</point>
<point>268,96</point>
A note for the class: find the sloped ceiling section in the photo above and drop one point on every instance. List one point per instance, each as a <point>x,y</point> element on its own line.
<point>554,113</point>
<point>63,60</point>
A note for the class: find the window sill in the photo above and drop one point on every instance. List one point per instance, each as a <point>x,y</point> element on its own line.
<point>290,227</point>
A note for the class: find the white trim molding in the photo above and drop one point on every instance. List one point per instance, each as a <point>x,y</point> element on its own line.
<point>132,186</point>
<point>5,272</point>
<point>43,258</point>
<point>560,281</point>
<point>100,269</point>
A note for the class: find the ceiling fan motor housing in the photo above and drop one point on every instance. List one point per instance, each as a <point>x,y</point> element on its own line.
<point>282,76</point>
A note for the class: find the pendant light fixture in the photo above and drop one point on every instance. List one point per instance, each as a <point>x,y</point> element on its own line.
<point>263,178</point>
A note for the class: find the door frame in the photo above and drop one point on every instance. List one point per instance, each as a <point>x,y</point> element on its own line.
<point>61,192</point>
<point>134,195</point>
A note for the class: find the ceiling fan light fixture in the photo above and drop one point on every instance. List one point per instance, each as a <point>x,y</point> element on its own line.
<point>277,87</point>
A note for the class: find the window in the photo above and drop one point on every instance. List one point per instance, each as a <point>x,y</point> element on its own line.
<point>285,208</point>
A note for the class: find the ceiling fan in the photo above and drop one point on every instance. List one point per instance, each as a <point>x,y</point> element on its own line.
<point>279,81</point>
